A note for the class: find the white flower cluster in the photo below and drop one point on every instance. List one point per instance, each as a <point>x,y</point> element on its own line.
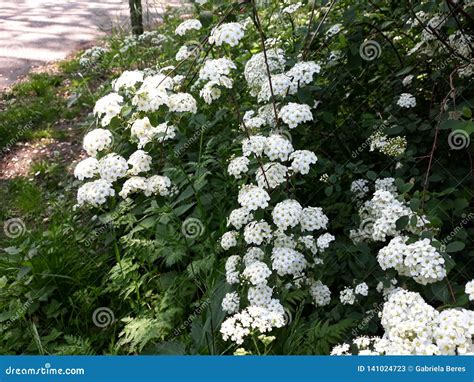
<point>360,187</point>
<point>255,71</point>
<point>253,318</point>
<point>88,168</point>
<point>94,193</point>
<point>215,73</point>
<point>108,107</point>
<point>406,100</point>
<point>380,214</point>
<point>187,25</point>
<point>283,248</point>
<point>92,56</point>
<point>348,294</point>
<point>414,327</point>
<point>320,293</point>
<point>127,80</point>
<point>419,260</point>
<point>282,84</point>
<point>295,114</point>
<point>144,132</point>
<point>292,8</point>
<point>228,33</point>
<point>141,93</point>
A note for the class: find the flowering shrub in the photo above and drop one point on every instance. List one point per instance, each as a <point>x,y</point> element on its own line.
<point>238,175</point>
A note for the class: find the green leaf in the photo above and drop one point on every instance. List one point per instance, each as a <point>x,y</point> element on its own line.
<point>455,246</point>
<point>402,223</point>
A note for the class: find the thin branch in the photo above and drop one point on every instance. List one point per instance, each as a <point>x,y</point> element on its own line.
<point>258,25</point>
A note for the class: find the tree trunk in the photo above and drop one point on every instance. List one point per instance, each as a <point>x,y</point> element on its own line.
<point>136,16</point>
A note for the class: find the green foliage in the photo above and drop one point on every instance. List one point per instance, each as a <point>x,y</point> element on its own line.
<point>164,288</point>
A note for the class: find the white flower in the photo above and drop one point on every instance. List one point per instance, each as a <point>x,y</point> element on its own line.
<point>342,349</point>
<point>145,132</point>
<point>255,71</point>
<point>187,25</point>
<point>302,160</point>
<point>320,293</point>
<point>260,295</point>
<point>158,184</point>
<point>94,193</point>
<point>239,217</point>
<point>132,185</point>
<point>230,303</point>
<point>301,74</point>
<point>324,240</point>
<point>217,71</point>
<point>334,30</point>
<point>313,218</point>
<point>229,33</point>
<point>252,255</point>
<point>292,8</point>
<point>97,140</point>
<point>419,260</point>
<point>281,85</point>
<point>257,273</point>
<point>294,114</point>
<point>257,232</point>
<point>183,53</point>
<point>112,167</point>
<point>347,296</point>
<point>253,197</point>
<point>253,318</point>
<point>108,107</point>
<point>287,214</point>
<point>278,147</point>
<point>127,80</point>
<point>287,261</point>
<point>238,166</point>
<point>231,271</point>
<point>386,184</point>
<point>182,102</point>
<point>406,100</point>
<point>271,175</point>
<point>140,162</point>
<point>229,240</point>
<point>254,145</point>
<point>86,168</point>
<point>360,188</point>
<point>470,289</point>
<point>407,80</point>
<point>153,93</point>
<point>362,289</point>
<point>210,92</point>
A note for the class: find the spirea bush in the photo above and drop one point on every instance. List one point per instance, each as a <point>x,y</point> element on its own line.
<point>292,178</point>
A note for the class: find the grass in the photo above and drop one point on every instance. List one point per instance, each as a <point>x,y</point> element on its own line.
<point>52,277</point>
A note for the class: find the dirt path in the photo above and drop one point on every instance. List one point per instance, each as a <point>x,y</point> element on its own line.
<point>34,32</point>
